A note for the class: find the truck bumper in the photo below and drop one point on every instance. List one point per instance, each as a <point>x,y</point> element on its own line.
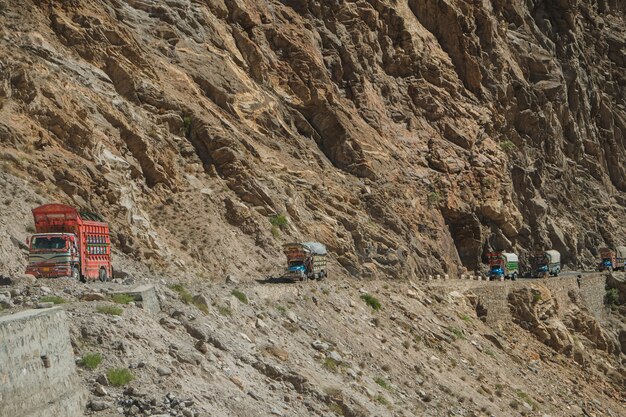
<point>53,271</point>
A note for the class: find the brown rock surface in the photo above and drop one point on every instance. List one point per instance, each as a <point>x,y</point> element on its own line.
<point>413,136</point>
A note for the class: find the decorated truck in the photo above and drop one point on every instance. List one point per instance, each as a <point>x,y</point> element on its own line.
<point>305,261</point>
<point>544,263</point>
<point>69,243</point>
<point>503,265</point>
<point>612,260</point>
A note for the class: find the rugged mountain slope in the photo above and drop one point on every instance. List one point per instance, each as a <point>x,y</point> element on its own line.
<point>409,137</point>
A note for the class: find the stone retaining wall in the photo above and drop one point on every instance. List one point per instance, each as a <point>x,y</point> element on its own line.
<point>37,371</point>
<point>492,296</point>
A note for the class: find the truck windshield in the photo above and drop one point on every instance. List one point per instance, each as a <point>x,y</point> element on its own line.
<point>296,263</point>
<point>48,243</point>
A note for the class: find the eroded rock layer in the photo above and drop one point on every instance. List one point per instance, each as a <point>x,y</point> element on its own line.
<point>409,136</point>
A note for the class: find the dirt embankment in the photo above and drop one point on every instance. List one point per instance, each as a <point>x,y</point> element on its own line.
<point>336,347</point>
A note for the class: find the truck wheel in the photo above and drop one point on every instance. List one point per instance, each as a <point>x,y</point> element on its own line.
<point>76,274</point>
<point>514,276</point>
<point>102,275</point>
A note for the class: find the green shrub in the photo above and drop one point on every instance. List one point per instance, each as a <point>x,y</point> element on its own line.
<point>91,360</point>
<point>507,146</point>
<point>182,292</point>
<point>281,309</point>
<point>371,301</point>
<point>224,311</point>
<point>110,310</point>
<point>536,297</point>
<point>53,299</point>
<point>118,377</point>
<point>275,231</point>
<point>382,400</point>
<point>381,381</point>
<point>434,198</point>
<point>279,220</point>
<point>240,296</point>
<point>30,229</point>
<point>187,122</point>
<point>330,364</point>
<point>122,298</point>
<point>465,317</point>
<point>527,399</point>
<point>612,297</point>
<point>336,408</point>
<point>458,334</point>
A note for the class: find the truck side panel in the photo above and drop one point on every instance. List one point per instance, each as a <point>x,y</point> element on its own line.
<point>95,247</point>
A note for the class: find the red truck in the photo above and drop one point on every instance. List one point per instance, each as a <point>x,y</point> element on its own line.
<point>69,243</point>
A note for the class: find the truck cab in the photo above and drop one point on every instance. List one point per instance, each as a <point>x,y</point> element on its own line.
<point>53,255</point>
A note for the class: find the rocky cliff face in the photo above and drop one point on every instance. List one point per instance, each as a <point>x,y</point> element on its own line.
<point>410,137</point>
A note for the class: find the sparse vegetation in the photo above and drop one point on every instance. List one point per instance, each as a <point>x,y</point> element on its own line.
<point>91,360</point>
<point>122,298</point>
<point>536,297</point>
<point>458,333</point>
<point>371,301</point>
<point>330,364</point>
<point>490,353</point>
<point>224,311</point>
<point>383,383</point>
<point>279,220</point>
<point>527,399</point>
<point>281,309</point>
<point>434,198</point>
<point>240,296</point>
<point>487,182</point>
<point>53,299</point>
<point>30,228</point>
<point>507,146</point>
<point>118,377</point>
<point>187,122</point>
<point>110,310</point>
<point>382,400</point>
<point>465,317</point>
<point>182,292</point>
<point>612,297</point>
<point>336,408</point>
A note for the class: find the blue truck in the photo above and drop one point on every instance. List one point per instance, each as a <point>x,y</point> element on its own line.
<point>545,263</point>
<point>305,261</point>
<point>503,265</point>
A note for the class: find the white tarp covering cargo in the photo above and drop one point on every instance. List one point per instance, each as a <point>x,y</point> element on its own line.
<point>554,257</point>
<point>316,248</point>
<point>620,251</point>
<point>510,257</point>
